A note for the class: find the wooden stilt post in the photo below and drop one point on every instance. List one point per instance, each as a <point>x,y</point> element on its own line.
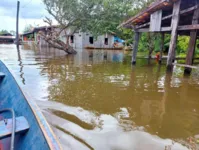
<point>192,43</point>
<point>174,34</point>
<point>161,47</point>
<point>135,47</point>
<point>17,24</point>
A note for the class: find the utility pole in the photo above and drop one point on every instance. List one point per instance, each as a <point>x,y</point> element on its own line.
<point>17,24</point>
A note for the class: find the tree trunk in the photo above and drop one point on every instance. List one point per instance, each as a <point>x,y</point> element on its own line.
<point>56,43</point>
<point>70,49</point>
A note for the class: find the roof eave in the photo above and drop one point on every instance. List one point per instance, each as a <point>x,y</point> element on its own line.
<point>159,4</point>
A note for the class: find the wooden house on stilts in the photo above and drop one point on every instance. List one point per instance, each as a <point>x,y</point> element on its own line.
<point>175,17</point>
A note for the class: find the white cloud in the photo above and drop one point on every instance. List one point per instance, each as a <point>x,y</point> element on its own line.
<point>31,12</point>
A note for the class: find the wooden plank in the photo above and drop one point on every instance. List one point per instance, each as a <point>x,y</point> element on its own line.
<point>168,29</point>
<point>186,66</point>
<point>161,47</point>
<point>189,27</point>
<point>167,17</point>
<point>174,26</point>
<point>143,30</point>
<point>143,25</point>
<point>156,19</point>
<point>192,43</point>
<point>190,9</point>
<point>163,29</point>
<point>135,47</point>
<point>22,126</point>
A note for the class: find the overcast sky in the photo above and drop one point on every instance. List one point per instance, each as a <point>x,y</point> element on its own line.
<point>31,12</point>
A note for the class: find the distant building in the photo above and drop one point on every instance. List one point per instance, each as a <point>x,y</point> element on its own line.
<point>33,36</point>
<point>7,38</point>
<point>78,40</point>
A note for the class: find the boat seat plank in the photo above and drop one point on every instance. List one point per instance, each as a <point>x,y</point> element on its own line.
<point>22,126</point>
<point>2,75</point>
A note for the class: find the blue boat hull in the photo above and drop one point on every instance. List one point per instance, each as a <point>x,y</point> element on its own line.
<point>39,136</point>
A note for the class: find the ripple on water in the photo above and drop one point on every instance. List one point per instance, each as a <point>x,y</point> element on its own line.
<point>96,100</point>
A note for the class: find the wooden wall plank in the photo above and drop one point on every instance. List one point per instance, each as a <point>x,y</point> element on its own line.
<point>189,27</point>
<point>169,29</point>
<point>155,23</point>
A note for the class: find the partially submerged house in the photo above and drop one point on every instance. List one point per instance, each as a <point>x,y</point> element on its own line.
<point>33,35</point>
<point>175,17</point>
<point>7,38</point>
<point>78,40</point>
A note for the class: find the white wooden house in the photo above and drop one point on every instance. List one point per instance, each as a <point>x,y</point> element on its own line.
<point>79,40</point>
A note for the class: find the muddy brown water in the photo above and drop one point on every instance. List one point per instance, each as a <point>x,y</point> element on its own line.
<point>97,100</point>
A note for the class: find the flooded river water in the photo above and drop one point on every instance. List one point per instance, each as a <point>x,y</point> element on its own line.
<point>97,100</point>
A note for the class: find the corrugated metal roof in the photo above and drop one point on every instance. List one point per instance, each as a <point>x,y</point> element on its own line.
<point>39,28</point>
<point>7,37</point>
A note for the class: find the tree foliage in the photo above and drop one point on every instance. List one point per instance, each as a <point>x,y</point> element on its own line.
<point>181,49</point>
<point>127,34</point>
<point>3,32</point>
<point>28,28</point>
<point>94,16</point>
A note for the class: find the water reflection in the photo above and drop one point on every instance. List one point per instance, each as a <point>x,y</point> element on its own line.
<point>21,65</point>
<point>95,98</point>
<point>108,134</point>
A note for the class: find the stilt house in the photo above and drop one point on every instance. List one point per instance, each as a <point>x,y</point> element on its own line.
<point>176,17</point>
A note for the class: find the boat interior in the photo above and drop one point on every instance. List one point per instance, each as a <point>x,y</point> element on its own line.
<point>19,128</point>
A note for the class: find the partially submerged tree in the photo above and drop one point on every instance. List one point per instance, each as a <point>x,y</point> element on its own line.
<point>94,16</point>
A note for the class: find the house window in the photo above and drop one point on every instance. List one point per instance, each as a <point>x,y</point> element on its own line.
<point>91,40</point>
<point>106,41</point>
<point>72,39</point>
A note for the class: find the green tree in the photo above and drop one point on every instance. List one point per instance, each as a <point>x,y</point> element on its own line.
<point>28,28</point>
<point>3,32</point>
<point>94,16</point>
<point>127,34</point>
